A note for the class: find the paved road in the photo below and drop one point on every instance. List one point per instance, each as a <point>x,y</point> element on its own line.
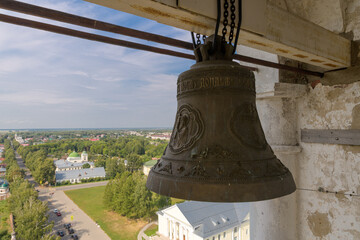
<point>21,164</point>
<point>83,225</point>
<point>79,186</point>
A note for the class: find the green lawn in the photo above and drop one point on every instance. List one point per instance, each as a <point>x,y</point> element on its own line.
<point>176,200</point>
<point>90,200</point>
<point>151,230</point>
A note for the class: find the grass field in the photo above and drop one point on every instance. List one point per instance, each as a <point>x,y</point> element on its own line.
<point>151,230</point>
<point>90,200</point>
<point>176,200</point>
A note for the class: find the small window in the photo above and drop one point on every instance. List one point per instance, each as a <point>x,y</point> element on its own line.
<point>224,234</point>
<point>219,237</point>
<point>235,229</point>
<point>235,238</point>
<point>213,238</point>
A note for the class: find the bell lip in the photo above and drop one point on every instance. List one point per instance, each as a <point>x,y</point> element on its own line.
<point>210,192</point>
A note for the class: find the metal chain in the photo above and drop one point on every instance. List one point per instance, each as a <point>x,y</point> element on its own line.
<point>225,21</point>
<point>204,37</point>
<point>198,41</point>
<point>232,24</point>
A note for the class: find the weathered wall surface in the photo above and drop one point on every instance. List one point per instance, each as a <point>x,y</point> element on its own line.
<point>310,213</point>
<point>277,218</point>
<point>333,168</point>
<point>340,16</point>
<point>334,211</point>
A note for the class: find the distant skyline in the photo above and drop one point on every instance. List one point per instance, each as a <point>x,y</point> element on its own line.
<point>49,80</point>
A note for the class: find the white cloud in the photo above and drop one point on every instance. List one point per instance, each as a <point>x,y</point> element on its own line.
<point>36,98</point>
<point>43,74</point>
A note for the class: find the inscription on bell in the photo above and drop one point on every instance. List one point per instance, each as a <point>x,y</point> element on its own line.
<point>200,83</point>
<point>212,82</point>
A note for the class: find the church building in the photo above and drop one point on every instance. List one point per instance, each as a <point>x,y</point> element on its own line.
<point>76,157</point>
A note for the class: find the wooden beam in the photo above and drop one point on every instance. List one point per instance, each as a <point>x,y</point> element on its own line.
<point>331,136</point>
<point>265,27</point>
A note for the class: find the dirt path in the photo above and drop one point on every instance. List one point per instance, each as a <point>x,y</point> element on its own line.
<point>142,234</point>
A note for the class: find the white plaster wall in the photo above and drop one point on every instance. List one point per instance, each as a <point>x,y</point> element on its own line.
<point>352,18</point>
<point>339,16</point>
<point>162,224</point>
<point>279,120</point>
<point>275,219</point>
<point>265,77</point>
<point>335,168</point>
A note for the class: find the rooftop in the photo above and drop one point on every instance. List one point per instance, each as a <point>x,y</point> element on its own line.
<point>74,154</point>
<point>65,164</point>
<point>3,183</point>
<point>80,174</point>
<point>150,163</point>
<point>209,218</point>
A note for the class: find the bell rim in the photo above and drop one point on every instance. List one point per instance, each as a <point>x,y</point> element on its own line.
<point>223,192</point>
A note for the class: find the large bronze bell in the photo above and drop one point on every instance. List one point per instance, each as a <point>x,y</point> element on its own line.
<point>218,151</point>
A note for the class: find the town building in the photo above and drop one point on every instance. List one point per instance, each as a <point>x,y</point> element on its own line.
<point>65,165</point>
<point>74,161</point>
<point>4,189</point>
<point>76,157</point>
<point>194,220</point>
<point>161,136</point>
<point>75,176</point>
<point>148,165</point>
<point>2,171</point>
<point>19,139</point>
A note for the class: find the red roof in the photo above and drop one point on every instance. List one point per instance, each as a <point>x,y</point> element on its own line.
<point>94,139</point>
<point>2,159</point>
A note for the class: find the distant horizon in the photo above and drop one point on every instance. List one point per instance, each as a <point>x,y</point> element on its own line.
<point>120,128</point>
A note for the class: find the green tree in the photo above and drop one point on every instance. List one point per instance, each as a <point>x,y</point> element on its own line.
<point>134,162</point>
<point>32,220</point>
<point>113,167</point>
<point>45,172</point>
<point>86,165</point>
<point>142,197</point>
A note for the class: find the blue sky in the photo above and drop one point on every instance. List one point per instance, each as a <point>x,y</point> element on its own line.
<point>53,81</point>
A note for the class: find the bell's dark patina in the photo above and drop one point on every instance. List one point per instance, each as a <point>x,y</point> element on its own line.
<point>218,151</point>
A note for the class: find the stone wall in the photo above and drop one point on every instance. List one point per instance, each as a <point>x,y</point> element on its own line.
<point>327,202</point>
<point>339,16</point>
<point>334,211</point>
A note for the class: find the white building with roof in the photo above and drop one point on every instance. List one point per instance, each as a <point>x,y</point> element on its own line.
<point>194,220</point>
<point>65,165</point>
<point>4,189</point>
<point>75,176</point>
